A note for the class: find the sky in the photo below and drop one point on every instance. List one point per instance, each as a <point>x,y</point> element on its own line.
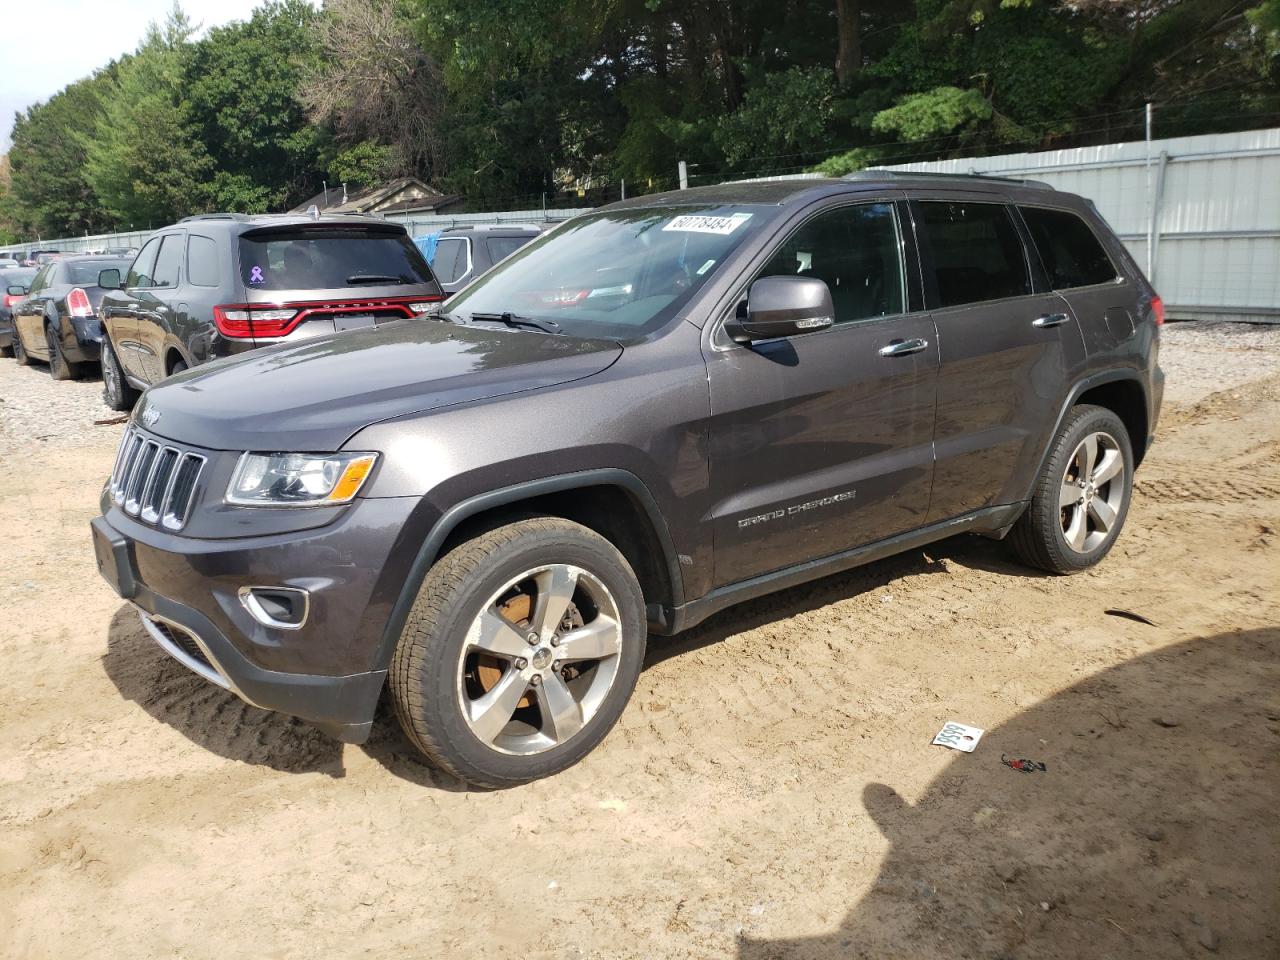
<point>81,36</point>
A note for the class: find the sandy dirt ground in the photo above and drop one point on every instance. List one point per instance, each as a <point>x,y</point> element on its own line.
<point>770,791</point>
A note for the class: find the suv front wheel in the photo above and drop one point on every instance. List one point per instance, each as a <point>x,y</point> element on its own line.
<point>520,653</point>
<point>1081,497</point>
<point>116,391</point>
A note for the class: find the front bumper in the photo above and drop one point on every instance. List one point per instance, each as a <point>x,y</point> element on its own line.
<point>187,591</point>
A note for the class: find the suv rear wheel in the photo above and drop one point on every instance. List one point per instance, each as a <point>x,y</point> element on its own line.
<point>1081,497</point>
<point>520,653</point>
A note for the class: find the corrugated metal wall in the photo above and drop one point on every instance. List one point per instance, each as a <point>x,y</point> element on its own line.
<point>1208,207</point>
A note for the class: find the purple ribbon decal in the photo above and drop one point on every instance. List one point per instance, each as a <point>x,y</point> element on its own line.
<point>255,275</point>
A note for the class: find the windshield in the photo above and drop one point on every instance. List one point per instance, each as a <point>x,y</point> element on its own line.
<point>620,273</point>
<point>311,259</point>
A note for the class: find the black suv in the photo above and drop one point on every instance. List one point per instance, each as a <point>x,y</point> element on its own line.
<point>214,285</point>
<point>464,253</point>
<point>659,409</point>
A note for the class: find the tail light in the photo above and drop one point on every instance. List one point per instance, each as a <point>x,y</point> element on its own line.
<point>78,303</point>
<point>242,321</point>
<point>246,322</point>
<point>11,298</point>
<point>1157,310</point>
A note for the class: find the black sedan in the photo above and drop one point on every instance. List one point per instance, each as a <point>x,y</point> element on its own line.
<point>58,320</point>
<point>14,282</point>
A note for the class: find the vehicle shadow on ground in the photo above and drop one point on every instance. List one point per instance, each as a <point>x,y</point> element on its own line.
<point>1150,834</point>
<point>220,722</point>
<point>207,715</point>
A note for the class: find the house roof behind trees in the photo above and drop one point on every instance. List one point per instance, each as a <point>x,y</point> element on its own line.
<point>402,195</point>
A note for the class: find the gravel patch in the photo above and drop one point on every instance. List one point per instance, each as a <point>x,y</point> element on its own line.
<point>1203,358</point>
<point>35,408</point>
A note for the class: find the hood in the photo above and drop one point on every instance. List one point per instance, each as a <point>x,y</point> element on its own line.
<point>311,396</point>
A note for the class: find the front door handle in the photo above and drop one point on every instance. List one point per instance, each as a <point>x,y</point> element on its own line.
<point>900,348</point>
<point>1050,320</point>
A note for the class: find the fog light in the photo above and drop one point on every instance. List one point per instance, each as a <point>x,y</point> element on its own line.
<point>283,608</point>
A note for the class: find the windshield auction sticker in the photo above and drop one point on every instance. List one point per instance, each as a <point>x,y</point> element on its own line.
<point>697,223</point>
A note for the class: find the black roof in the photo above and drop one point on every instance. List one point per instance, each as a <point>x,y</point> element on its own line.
<point>778,192</point>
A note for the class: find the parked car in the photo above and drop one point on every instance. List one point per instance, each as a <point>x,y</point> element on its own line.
<point>664,407</point>
<point>220,284</point>
<point>463,253</point>
<point>7,263</point>
<point>14,283</point>
<point>57,321</point>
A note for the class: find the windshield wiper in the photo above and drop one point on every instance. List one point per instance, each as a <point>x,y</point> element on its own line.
<point>373,278</point>
<point>515,320</point>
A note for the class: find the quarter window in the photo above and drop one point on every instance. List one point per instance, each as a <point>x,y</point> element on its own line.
<point>202,261</point>
<point>856,252</point>
<point>169,261</point>
<point>977,252</point>
<point>144,264</point>
<point>450,261</point>
<point>1069,250</point>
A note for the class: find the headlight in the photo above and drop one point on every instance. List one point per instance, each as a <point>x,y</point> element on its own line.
<point>298,479</point>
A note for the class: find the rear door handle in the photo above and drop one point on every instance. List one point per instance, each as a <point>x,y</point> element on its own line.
<point>1050,320</point>
<point>900,348</point>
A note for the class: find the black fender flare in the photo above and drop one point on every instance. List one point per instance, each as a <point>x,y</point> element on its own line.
<point>1081,387</point>
<point>451,518</point>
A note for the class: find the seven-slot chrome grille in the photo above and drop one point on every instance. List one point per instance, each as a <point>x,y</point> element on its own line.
<point>155,481</point>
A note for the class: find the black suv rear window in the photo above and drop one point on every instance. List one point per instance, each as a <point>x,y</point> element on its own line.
<point>312,259</point>
<point>1071,254</point>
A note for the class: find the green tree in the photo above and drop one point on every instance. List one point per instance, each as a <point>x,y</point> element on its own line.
<point>145,160</point>
<point>50,193</point>
<point>241,82</point>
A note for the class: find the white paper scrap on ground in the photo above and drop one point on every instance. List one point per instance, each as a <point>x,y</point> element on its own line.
<point>957,736</point>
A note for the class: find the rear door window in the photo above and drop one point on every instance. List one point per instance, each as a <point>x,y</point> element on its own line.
<point>450,261</point>
<point>329,259</point>
<point>41,279</point>
<point>169,261</point>
<point>1069,250</point>
<point>977,251</point>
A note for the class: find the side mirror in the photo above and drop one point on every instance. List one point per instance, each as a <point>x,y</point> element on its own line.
<point>783,307</point>
<point>109,279</point>
<point>17,290</point>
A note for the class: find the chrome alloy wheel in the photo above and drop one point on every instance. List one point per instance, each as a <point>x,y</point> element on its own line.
<point>1093,491</point>
<point>539,660</point>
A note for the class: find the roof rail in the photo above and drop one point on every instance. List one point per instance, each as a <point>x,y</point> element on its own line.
<point>874,173</point>
<point>215,216</point>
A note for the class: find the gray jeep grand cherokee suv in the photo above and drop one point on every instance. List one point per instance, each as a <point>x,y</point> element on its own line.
<point>659,409</point>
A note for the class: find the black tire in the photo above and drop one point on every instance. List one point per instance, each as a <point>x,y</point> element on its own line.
<point>424,675</point>
<point>19,349</point>
<point>116,392</point>
<point>60,368</point>
<point>178,367</point>
<point>1038,537</point>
